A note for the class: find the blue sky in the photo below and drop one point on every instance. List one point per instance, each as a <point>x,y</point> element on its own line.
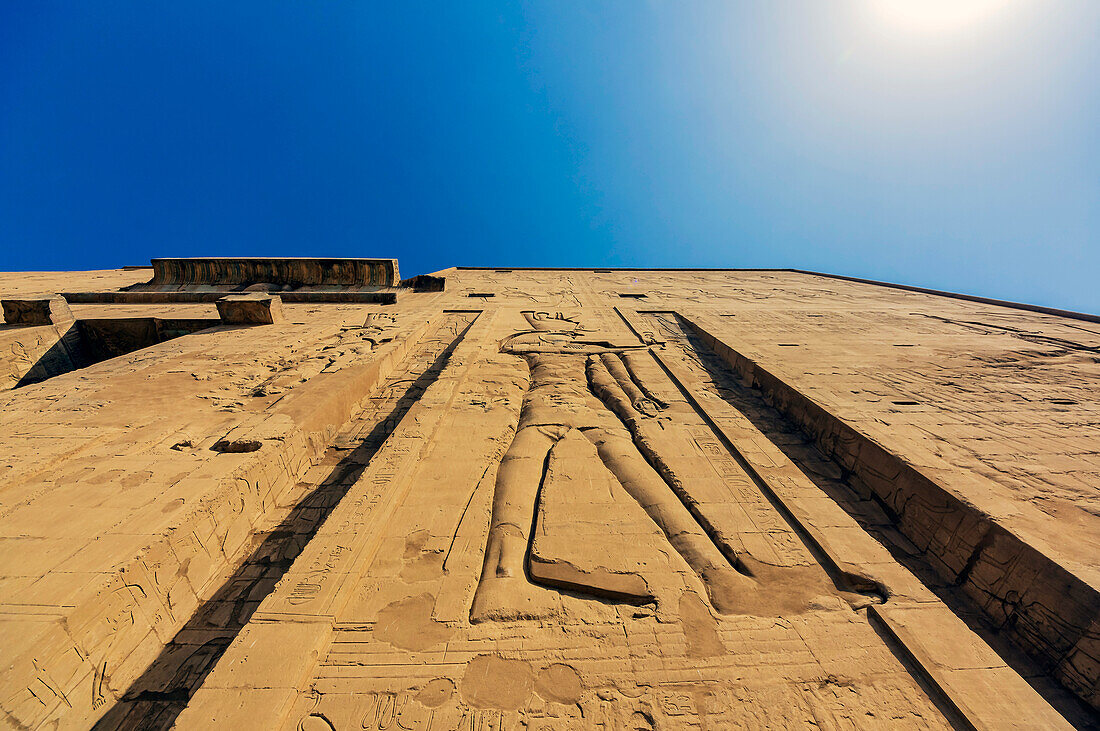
<point>960,153</point>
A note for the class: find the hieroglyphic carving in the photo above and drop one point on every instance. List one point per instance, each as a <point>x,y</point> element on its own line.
<point>828,703</point>
<point>187,659</point>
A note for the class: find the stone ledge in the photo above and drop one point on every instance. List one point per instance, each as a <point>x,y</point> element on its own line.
<point>382,297</point>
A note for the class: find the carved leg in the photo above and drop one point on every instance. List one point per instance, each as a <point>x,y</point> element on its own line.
<point>504,591</point>
<point>723,583</point>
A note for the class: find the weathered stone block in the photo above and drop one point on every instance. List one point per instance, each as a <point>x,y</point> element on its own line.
<point>250,309</point>
<point>425,283</point>
<point>47,310</point>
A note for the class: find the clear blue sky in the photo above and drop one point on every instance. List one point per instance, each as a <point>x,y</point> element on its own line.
<point>944,149</point>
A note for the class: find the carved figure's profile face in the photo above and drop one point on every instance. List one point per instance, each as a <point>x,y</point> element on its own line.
<point>547,342</point>
<point>559,322</point>
<point>558,332</point>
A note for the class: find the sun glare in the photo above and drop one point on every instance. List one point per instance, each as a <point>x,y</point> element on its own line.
<point>937,15</point>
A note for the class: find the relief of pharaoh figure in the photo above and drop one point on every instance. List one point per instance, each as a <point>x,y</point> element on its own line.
<point>583,385</point>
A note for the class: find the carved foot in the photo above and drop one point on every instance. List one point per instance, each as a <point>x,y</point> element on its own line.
<point>511,598</point>
<point>728,590</point>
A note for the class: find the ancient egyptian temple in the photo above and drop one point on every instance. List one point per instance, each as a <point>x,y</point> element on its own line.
<point>308,494</point>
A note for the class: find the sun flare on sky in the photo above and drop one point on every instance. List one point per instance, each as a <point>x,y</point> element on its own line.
<point>938,15</point>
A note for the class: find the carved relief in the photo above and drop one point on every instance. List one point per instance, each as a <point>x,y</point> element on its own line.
<point>582,385</point>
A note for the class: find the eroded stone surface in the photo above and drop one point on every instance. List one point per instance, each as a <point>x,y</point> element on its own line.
<point>592,500</point>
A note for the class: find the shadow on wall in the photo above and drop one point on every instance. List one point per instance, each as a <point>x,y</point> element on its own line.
<point>875,515</point>
<point>88,342</point>
<point>156,698</point>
